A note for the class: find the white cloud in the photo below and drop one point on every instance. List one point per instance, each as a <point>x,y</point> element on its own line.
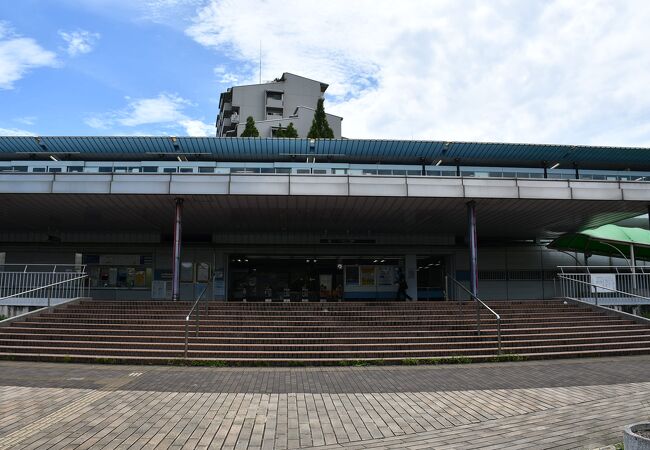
<point>79,41</point>
<point>226,77</point>
<point>166,11</point>
<point>161,109</point>
<point>198,128</point>
<point>166,109</point>
<point>18,55</point>
<point>563,71</point>
<point>15,132</point>
<point>27,120</point>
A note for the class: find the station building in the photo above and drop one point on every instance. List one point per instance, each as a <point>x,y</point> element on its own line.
<point>260,219</point>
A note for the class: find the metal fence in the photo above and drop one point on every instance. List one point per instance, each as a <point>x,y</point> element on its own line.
<point>42,281</point>
<point>605,285</point>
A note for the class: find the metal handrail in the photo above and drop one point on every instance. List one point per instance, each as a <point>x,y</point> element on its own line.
<point>82,267</point>
<point>618,269</point>
<point>479,302</point>
<point>189,314</point>
<point>629,294</point>
<point>47,286</point>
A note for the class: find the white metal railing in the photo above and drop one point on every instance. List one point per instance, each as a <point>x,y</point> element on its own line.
<point>63,281</point>
<point>61,290</point>
<point>605,285</point>
<point>196,309</point>
<point>479,303</point>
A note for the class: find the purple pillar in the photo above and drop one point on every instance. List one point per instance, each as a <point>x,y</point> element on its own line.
<point>473,247</point>
<point>176,252</point>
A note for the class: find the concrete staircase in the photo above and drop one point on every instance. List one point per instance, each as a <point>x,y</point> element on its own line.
<point>317,333</point>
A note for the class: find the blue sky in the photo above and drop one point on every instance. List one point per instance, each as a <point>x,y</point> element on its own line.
<point>555,71</point>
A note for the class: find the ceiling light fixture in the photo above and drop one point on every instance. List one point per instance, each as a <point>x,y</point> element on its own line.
<point>555,166</point>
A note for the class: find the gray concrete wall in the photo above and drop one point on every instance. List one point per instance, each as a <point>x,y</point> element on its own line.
<point>297,91</point>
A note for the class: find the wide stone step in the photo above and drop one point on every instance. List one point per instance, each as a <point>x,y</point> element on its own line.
<point>322,316</point>
<point>284,361</point>
<point>297,355</point>
<point>319,339</point>
<point>290,347</point>
<point>245,321</point>
<point>334,334</point>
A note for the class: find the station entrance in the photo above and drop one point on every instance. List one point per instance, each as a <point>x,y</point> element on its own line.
<point>259,278</point>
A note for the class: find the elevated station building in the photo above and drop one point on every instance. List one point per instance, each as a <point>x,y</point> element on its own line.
<point>299,219</point>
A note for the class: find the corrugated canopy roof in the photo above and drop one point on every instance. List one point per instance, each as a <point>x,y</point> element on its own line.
<point>341,150</point>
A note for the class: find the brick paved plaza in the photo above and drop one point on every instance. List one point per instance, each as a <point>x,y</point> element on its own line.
<point>543,404</point>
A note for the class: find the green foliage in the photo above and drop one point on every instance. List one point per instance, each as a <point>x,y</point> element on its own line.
<point>352,362</point>
<point>410,362</point>
<point>206,363</point>
<point>250,130</point>
<point>295,363</point>
<point>435,361</point>
<point>289,132</point>
<point>3,317</point>
<point>105,361</point>
<point>66,359</point>
<point>361,362</point>
<point>319,126</point>
<point>431,361</point>
<point>508,357</point>
<point>175,362</point>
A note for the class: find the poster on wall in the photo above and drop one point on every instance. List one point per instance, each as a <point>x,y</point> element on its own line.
<point>187,272</point>
<point>325,281</point>
<point>367,275</point>
<point>202,272</point>
<point>385,275</point>
<point>352,275</point>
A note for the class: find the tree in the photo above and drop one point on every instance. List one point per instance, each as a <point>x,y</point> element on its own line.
<point>319,126</point>
<point>250,130</point>
<point>290,131</point>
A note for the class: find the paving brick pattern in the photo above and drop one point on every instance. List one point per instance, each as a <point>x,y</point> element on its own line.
<point>547,404</point>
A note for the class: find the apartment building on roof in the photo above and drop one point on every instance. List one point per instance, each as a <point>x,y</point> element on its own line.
<point>273,105</point>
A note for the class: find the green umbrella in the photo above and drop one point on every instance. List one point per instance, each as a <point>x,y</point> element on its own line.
<point>607,240</point>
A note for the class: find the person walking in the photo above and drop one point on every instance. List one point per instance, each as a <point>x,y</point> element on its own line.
<point>402,287</point>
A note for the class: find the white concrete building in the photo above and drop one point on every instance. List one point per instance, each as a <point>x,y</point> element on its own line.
<point>288,99</point>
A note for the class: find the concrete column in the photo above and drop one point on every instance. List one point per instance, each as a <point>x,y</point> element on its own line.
<point>411,275</point>
<point>176,252</point>
<point>633,266</point>
<point>473,247</point>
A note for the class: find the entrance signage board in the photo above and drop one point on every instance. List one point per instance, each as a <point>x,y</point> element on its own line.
<point>606,280</point>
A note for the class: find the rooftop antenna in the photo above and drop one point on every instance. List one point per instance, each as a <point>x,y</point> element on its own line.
<point>260,61</point>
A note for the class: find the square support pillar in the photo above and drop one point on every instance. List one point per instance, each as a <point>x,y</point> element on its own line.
<point>411,275</point>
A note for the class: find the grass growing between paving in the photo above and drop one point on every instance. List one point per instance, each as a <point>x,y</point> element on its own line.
<point>506,357</point>
<point>459,360</point>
